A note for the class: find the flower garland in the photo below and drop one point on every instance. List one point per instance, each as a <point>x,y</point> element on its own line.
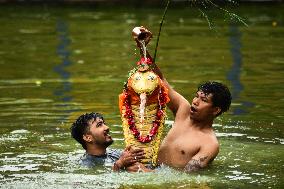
<point>156,123</point>
<point>144,61</point>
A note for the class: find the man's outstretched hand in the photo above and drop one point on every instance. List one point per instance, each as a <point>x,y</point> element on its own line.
<point>128,157</point>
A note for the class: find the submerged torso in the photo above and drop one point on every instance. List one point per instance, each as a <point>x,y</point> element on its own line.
<point>108,159</point>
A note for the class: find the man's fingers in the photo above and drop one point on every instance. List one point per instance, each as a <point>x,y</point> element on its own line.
<point>133,168</point>
<point>139,154</point>
<point>130,162</point>
<point>141,157</point>
<point>131,159</point>
<point>136,150</point>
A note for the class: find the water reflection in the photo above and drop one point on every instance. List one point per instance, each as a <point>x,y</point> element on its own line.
<point>64,53</point>
<point>235,71</point>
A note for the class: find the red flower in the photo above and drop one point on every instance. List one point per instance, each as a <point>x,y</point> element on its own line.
<point>160,113</point>
<point>148,61</point>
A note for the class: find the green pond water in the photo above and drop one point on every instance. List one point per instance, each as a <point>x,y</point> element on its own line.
<point>57,63</point>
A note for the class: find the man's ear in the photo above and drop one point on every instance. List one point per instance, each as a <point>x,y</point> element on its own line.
<point>87,138</point>
<point>216,111</point>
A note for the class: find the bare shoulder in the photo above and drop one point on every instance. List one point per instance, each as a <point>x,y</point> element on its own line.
<point>210,145</point>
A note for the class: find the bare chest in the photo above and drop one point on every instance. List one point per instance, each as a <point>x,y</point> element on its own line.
<point>179,147</point>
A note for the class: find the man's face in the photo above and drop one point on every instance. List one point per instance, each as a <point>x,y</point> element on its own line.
<point>99,133</point>
<point>202,108</point>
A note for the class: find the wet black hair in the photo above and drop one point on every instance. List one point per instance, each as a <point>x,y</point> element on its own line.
<point>221,94</point>
<point>81,126</point>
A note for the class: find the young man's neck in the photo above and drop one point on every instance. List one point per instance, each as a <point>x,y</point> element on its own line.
<point>95,150</point>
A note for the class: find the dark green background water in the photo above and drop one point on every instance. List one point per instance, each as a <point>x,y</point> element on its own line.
<point>57,63</point>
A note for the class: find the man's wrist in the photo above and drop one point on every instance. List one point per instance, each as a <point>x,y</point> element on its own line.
<point>118,165</point>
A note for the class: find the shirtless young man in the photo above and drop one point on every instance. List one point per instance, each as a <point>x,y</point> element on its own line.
<point>191,144</point>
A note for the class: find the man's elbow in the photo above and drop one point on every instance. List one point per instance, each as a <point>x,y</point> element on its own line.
<point>193,168</point>
<point>195,165</point>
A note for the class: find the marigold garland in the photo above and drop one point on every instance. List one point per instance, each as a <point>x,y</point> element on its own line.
<point>162,100</point>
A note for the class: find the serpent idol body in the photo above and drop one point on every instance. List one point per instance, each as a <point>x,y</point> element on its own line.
<point>143,110</point>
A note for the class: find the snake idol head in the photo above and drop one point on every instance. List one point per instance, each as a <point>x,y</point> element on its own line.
<point>144,82</point>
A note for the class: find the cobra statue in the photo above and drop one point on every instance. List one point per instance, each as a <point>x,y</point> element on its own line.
<point>142,104</point>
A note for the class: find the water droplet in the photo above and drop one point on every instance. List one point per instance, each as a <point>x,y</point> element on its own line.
<point>38,82</point>
<point>80,61</point>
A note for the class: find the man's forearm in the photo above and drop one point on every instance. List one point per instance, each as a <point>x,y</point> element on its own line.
<point>195,164</point>
<point>117,165</point>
